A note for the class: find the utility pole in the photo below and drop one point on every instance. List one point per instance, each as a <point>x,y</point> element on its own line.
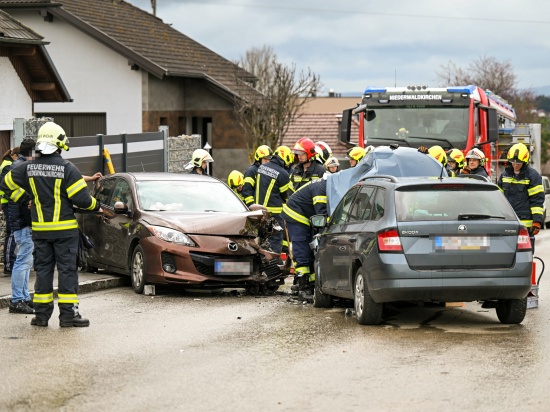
<point>154,5</point>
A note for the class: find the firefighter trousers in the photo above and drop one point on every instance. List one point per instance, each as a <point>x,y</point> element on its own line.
<point>62,252</point>
<point>301,236</point>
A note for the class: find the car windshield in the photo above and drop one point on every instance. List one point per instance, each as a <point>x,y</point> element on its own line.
<point>419,125</point>
<point>188,196</point>
<point>452,204</point>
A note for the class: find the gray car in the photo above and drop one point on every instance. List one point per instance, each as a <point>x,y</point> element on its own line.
<point>425,240</point>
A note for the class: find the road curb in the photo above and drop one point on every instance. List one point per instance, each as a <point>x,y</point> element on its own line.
<point>83,288</point>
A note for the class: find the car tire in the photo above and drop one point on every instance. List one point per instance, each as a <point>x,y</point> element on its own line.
<point>511,311</point>
<point>137,274</point>
<point>90,268</point>
<point>320,300</point>
<point>367,311</point>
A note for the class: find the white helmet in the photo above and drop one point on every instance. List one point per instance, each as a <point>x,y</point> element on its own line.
<point>475,153</point>
<point>51,137</point>
<point>199,156</point>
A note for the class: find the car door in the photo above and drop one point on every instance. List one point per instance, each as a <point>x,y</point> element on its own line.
<point>115,228</point>
<point>332,253</point>
<point>92,223</point>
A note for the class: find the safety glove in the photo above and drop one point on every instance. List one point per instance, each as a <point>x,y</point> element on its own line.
<point>423,149</point>
<point>535,229</point>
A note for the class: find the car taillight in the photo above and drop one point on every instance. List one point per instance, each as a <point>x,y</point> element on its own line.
<point>389,241</point>
<point>524,242</point>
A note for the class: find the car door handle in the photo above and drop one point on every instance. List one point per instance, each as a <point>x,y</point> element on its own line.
<point>334,240</point>
<point>353,239</point>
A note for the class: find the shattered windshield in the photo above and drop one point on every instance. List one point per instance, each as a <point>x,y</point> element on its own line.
<point>418,126</point>
<point>188,196</point>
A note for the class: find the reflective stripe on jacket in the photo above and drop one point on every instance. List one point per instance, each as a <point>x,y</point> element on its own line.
<point>300,177</point>
<point>309,200</point>
<point>250,183</point>
<point>271,185</point>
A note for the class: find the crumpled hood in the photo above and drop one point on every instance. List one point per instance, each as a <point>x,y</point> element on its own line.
<point>208,223</point>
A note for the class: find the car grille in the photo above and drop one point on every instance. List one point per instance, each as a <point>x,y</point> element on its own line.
<point>270,268</point>
<point>205,263</point>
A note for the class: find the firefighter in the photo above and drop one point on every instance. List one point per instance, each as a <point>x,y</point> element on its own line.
<point>271,189</point>
<point>307,201</point>
<point>355,154</point>
<point>323,151</point>
<point>476,163</point>
<point>9,242</point>
<point>262,155</point>
<point>455,160</point>
<point>332,165</point>
<point>235,181</point>
<point>438,154</point>
<point>522,186</point>
<point>54,185</point>
<point>199,162</point>
<point>308,169</point>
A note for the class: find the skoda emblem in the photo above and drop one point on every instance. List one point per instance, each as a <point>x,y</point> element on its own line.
<point>232,246</point>
<point>462,228</point>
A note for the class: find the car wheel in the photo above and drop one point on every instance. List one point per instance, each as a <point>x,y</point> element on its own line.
<point>511,311</point>
<point>90,268</point>
<point>320,300</point>
<point>367,311</point>
<point>138,277</point>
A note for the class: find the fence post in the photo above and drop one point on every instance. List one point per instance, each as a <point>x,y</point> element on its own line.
<point>164,131</point>
<point>101,159</point>
<point>124,151</point>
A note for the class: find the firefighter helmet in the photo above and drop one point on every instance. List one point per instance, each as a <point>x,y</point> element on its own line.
<point>332,162</point>
<point>235,179</point>
<point>51,137</point>
<point>199,156</point>
<point>518,153</point>
<point>284,153</point>
<point>305,145</point>
<point>323,151</point>
<point>475,153</point>
<point>356,153</point>
<point>456,155</point>
<point>262,152</point>
<point>438,154</point>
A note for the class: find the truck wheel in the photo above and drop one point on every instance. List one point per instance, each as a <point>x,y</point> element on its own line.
<point>138,277</point>
<point>367,311</point>
<point>511,311</point>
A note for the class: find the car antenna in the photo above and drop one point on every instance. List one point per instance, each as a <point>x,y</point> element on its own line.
<point>441,174</point>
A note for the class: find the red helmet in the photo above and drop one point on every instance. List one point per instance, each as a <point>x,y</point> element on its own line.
<point>305,145</point>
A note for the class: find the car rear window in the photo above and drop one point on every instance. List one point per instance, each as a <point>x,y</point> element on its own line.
<point>451,203</point>
<point>188,196</point>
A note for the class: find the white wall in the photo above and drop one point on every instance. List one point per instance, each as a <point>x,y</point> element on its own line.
<point>98,79</point>
<point>14,100</point>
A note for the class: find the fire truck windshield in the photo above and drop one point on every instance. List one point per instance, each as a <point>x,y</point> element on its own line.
<point>418,126</point>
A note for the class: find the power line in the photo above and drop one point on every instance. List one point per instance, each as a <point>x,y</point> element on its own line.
<point>355,12</point>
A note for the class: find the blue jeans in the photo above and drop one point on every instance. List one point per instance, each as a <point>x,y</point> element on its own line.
<point>22,266</point>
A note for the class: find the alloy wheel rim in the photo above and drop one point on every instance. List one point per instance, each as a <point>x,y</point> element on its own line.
<point>359,294</point>
<point>138,268</point>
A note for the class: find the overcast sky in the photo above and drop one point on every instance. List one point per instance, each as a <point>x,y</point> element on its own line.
<point>352,45</point>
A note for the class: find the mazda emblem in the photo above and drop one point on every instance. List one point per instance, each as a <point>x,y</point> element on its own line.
<point>232,246</point>
<point>462,228</point>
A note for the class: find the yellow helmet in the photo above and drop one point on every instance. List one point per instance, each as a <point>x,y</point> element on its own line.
<point>476,153</point>
<point>457,156</point>
<point>262,151</point>
<point>285,153</point>
<point>51,137</point>
<point>235,179</point>
<point>356,153</point>
<point>518,153</point>
<point>438,154</point>
<point>199,156</point>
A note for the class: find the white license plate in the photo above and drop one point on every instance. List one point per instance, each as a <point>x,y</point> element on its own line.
<point>230,267</point>
<point>461,242</point>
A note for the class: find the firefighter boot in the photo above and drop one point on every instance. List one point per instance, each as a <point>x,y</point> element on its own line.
<point>306,292</point>
<point>69,316</point>
<point>300,281</point>
<point>43,312</point>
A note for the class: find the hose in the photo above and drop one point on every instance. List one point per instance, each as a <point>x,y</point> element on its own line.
<point>542,271</point>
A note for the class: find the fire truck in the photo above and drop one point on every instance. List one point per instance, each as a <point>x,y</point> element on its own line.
<point>452,117</point>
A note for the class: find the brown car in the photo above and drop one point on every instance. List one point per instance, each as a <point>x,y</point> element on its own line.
<point>169,228</point>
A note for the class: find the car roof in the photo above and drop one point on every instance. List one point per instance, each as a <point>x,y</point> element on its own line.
<point>400,182</point>
<point>165,176</point>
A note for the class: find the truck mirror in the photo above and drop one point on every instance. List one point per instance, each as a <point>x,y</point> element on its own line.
<point>492,125</point>
<point>345,127</point>
<point>370,115</point>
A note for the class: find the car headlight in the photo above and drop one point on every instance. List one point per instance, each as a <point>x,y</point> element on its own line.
<point>171,235</point>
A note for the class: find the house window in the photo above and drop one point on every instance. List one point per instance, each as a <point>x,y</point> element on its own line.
<point>79,124</point>
<point>164,121</point>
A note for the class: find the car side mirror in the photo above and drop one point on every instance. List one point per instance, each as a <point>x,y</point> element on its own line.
<point>318,221</point>
<point>121,208</point>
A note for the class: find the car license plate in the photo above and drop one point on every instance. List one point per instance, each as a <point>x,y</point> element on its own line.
<point>461,243</point>
<point>231,267</point>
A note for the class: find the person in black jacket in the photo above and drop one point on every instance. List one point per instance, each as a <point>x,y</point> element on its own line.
<point>20,222</point>
<point>476,163</point>
<point>9,241</point>
<point>271,189</point>
<point>308,168</point>
<point>262,155</point>
<point>522,186</point>
<point>54,185</point>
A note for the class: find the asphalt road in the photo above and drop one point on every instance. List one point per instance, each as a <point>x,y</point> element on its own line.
<point>199,352</point>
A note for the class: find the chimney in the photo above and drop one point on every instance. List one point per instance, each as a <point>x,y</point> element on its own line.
<point>331,93</point>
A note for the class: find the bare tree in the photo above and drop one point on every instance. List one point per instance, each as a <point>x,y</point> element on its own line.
<point>265,118</point>
<point>490,74</point>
